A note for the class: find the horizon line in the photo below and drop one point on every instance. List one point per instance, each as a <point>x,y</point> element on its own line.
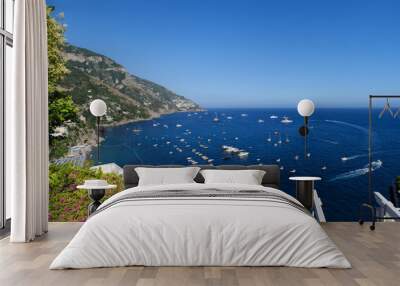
<point>288,107</point>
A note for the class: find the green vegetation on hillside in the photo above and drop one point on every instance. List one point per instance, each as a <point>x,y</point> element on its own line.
<point>61,107</point>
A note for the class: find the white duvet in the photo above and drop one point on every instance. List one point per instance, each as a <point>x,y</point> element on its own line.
<point>200,231</point>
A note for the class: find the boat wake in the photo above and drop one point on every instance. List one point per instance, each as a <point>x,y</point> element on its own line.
<point>353,157</point>
<point>326,141</point>
<point>355,126</point>
<point>358,172</point>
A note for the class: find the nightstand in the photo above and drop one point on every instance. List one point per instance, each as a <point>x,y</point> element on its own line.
<point>304,190</point>
<point>96,191</point>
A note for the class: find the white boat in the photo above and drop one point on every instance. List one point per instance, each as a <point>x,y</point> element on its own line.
<point>273,117</point>
<point>230,149</point>
<point>242,154</point>
<point>344,159</point>
<point>323,168</point>
<point>260,121</point>
<point>229,117</point>
<point>178,125</point>
<point>216,119</point>
<point>136,130</point>
<point>243,114</point>
<point>286,120</point>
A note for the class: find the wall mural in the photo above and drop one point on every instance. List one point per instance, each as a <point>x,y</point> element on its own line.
<point>147,123</point>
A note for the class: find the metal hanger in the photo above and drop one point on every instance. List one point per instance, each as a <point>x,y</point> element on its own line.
<point>397,113</point>
<point>386,107</point>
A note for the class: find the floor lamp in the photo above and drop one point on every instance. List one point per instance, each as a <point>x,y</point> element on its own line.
<point>305,108</point>
<point>98,108</point>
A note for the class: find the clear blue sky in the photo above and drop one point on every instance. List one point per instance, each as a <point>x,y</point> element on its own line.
<point>226,53</point>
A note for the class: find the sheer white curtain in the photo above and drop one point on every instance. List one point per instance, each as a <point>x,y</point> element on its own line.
<point>27,124</point>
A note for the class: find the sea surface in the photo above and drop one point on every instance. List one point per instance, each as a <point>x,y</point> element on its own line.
<point>337,148</point>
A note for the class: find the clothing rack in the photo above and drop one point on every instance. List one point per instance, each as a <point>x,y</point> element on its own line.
<point>370,205</point>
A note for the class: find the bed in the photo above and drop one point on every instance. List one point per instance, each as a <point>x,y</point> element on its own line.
<point>198,224</point>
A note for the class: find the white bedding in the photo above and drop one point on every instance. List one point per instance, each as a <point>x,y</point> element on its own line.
<point>200,231</point>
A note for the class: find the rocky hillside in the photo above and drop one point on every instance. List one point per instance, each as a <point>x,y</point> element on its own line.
<point>128,97</point>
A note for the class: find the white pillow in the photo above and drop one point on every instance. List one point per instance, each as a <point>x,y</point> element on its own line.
<point>166,176</point>
<point>248,177</point>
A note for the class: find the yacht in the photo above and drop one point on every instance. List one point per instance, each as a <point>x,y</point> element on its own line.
<point>242,154</point>
<point>216,119</point>
<point>286,120</point>
<point>230,149</point>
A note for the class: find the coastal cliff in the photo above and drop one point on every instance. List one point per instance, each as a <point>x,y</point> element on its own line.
<point>128,97</point>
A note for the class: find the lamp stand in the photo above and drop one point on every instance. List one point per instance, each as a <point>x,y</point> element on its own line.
<point>305,136</point>
<point>303,130</point>
<point>98,138</point>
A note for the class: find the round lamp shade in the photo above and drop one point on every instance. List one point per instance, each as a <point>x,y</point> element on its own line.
<point>305,107</point>
<point>98,107</point>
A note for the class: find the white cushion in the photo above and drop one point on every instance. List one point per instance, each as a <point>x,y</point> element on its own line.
<point>248,177</point>
<point>166,176</point>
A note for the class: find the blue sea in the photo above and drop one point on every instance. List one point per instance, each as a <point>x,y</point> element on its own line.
<point>337,148</point>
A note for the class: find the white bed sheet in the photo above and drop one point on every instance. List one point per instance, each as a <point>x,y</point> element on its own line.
<point>200,232</point>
